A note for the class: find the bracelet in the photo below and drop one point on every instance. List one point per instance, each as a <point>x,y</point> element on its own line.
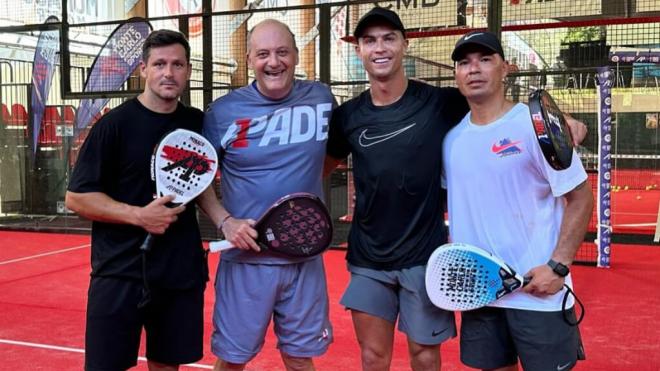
<point>222,222</point>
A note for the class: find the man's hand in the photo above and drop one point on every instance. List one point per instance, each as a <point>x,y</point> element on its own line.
<point>156,216</point>
<point>577,128</point>
<point>543,281</point>
<point>240,233</point>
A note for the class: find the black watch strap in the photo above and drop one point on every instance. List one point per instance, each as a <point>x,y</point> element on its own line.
<point>559,268</point>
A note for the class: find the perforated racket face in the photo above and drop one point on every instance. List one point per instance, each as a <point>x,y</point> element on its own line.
<point>463,277</point>
<point>184,165</point>
<point>551,130</point>
<point>297,225</point>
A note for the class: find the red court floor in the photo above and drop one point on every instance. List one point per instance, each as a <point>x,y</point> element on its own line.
<point>43,283</point>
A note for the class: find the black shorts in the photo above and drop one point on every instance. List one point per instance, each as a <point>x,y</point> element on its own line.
<point>173,322</point>
<point>498,337</point>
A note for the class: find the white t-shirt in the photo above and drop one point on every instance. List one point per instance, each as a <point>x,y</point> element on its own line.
<point>504,197</point>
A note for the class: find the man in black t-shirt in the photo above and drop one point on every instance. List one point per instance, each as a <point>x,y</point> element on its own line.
<point>394,131</point>
<point>111,185</point>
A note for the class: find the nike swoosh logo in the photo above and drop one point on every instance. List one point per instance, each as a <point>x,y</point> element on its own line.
<point>560,368</point>
<point>436,333</point>
<point>468,37</point>
<point>367,141</point>
<point>495,148</point>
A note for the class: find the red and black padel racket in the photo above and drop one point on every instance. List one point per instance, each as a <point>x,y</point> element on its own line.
<point>183,164</point>
<point>297,225</point>
<point>551,130</point>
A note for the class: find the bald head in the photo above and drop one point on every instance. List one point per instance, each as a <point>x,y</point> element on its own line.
<point>269,25</point>
<point>273,56</point>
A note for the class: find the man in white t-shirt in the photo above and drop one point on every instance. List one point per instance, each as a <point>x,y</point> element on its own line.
<point>505,198</point>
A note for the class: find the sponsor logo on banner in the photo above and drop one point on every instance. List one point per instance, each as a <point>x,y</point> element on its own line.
<point>45,57</point>
<point>115,62</point>
<point>604,229</point>
<point>416,13</point>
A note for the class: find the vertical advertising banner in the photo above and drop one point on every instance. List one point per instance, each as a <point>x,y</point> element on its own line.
<point>604,201</point>
<point>45,56</point>
<point>117,59</point>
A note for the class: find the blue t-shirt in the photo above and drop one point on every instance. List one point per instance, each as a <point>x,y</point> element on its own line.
<point>268,149</point>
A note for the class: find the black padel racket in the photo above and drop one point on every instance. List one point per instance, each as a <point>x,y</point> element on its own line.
<point>297,225</point>
<point>183,164</point>
<point>551,130</point>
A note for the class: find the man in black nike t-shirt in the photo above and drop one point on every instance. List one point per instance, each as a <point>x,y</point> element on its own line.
<point>394,132</point>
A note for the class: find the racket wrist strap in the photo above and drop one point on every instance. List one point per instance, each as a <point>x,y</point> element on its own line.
<point>223,221</point>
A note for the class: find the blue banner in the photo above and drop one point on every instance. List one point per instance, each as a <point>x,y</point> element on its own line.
<point>117,59</point>
<point>604,202</point>
<point>46,55</point>
<point>649,56</point>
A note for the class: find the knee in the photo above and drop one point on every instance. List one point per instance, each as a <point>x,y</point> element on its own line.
<point>221,365</point>
<point>297,363</point>
<point>425,358</point>
<point>375,359</point>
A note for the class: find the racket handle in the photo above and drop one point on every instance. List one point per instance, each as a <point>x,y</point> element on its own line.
<point>216,246</point>
<point>148,242</point>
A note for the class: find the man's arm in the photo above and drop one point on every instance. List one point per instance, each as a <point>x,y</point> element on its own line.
<point>577,128</point>
<point>239,232</point>
<point>154,217</point>
<point>579,206</point>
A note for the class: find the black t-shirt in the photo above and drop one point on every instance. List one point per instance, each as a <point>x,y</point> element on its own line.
<point>115,160</point>
<point>397,164</point>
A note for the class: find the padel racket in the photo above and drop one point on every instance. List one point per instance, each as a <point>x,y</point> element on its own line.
<point>464,277</point>
<point>297,225</point>
<point>183,164</point>
<point>551,130</point>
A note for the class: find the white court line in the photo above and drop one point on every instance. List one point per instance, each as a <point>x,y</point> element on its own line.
<point>44,254</point>
<point>78,350</point>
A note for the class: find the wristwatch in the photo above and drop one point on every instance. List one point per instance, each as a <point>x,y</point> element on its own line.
<point>560,269</point>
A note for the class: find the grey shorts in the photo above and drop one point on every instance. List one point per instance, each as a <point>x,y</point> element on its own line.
<point>247,297</point>
<point>497,337</point>
<point>399,294</point>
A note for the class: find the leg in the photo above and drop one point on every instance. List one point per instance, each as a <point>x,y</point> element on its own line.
<point>156,366</point>
<point>245,296</point>
<point>544,340</point>
<point>221,365</point>
<point>171,341</point>
<point>373,300</point>
<point>424,357</point>
<point>301,314</point>
<point>507,368</point>
<point>297,363</point>
<point>114,324</point>
<point>376,338</point>
<point>486,342</point>
<point>426,325</point>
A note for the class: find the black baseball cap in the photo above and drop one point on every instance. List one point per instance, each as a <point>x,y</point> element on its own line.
<point>484,39</point>
<point>379,14</point>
